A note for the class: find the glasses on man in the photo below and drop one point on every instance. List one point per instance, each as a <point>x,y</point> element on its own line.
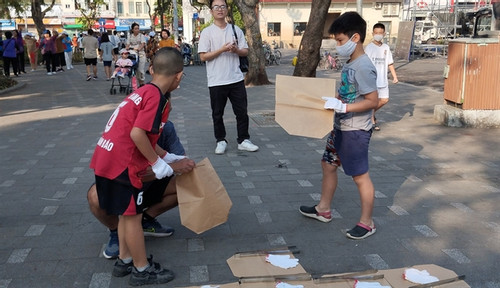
<point>219,7</point>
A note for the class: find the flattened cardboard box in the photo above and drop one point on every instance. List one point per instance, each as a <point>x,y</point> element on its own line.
<point>256,266</point>
<point>395,276</point>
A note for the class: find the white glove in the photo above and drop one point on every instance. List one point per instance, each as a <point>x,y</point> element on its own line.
<point>171,158</point>
<point>161,169</point>
<point>335,104</point>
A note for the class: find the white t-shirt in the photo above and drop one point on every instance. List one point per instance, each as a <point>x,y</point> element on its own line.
<point>135,41</point>
<point>225,68</point>
<point>381,57</point>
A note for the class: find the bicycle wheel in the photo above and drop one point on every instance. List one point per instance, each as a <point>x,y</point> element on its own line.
<point>267,56</point>
<point>277,57</point>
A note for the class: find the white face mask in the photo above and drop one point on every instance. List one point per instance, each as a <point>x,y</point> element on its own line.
<point>347,49</point>
<point>378,37</point>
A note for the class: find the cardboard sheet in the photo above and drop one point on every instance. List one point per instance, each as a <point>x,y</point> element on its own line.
<point>395,276</point>
<point>299,107</point>
<point>256,266</point>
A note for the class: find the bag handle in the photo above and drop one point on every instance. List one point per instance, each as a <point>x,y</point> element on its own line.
<point>234,32</point>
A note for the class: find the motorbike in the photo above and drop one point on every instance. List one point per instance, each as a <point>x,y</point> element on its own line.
<point>186,52</point>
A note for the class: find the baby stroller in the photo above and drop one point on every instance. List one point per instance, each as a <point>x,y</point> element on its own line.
<point>128,83</point>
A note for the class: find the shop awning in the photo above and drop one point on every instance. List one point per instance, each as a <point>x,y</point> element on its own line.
<point>73,26</point>
<point>108,24</point>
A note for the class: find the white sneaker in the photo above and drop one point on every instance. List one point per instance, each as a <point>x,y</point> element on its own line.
<point>246,145</point>
<point>49,73</point>
<point>221,147</point>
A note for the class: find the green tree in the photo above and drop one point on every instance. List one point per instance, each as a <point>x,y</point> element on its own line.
<point>90,12</point>
<point>19,7</point>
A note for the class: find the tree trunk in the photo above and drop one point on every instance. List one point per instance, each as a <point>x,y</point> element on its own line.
<point>37,14</point>
<point>310,45</point>
<point>256,74</point>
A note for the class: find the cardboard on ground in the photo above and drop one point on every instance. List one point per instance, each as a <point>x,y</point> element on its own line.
<point>395,276</point>
<point>256,266</point>
<point>299,107</point>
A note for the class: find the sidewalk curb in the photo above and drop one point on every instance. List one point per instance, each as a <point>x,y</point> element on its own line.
<point>19,85</point>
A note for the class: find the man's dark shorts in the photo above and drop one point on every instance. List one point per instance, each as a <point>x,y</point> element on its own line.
<point>90,61</point>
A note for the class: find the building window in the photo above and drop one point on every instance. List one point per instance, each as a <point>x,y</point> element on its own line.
<point>146,8</point>
<point>67,6</point>
<point>274,29</point>
<point>390,9</point>
<point>131,7</point>
<point>299,28</point>
<point>138,8</point>
<point>119,8</point>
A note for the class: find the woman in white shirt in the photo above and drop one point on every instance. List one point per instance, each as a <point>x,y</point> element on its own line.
<point>137,41</point>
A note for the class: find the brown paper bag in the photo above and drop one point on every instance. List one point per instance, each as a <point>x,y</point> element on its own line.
<point>299,107</point>
<point>203,200</point>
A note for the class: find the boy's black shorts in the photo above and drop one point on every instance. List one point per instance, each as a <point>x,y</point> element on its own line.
<point>119,197</point>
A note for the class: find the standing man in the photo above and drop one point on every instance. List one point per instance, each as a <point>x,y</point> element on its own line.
<point>219,48</point>
<point>90,46</point>
<point>381,56</point>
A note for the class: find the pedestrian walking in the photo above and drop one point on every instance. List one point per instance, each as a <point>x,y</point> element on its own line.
<point>17,35</point>
<point>48,47</point>
<point>347,144</point>
<point>381,56</point>
<point>106,54</point>
<point>68,50</point>
<point>9,55</point>
<point>90,46</point>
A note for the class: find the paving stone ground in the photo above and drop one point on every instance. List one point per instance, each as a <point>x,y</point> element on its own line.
<point>437,188</point>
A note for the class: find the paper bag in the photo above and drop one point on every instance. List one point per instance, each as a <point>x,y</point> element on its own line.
<point>299,107</point>
<point>203,200</point>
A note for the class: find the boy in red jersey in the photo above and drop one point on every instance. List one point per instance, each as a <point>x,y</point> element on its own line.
<point>126,148</point>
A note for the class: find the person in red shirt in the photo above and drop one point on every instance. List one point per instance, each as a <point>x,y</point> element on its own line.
<point>125,150</point>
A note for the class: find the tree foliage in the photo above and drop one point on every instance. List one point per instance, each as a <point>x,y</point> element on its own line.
<point>19,7</point>
<point>90,12</point>
<point>310,44</point>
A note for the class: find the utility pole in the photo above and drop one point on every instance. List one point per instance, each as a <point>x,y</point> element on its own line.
<point>359,7</point>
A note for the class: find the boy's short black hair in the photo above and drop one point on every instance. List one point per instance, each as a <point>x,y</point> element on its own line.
<point>379,25</point>
<point>349,23</point>
<point>168,61</point>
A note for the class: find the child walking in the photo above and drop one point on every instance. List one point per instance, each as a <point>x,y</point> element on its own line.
<point>347,144</point>
<point>128,146</point>
<point>381,57</point>
<point>122,65</point>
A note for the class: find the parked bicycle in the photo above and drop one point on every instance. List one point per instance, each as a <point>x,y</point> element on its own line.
<point>272,53</point>
<point>328,61</point>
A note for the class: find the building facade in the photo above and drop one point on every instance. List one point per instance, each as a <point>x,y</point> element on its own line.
<point>285,21</point>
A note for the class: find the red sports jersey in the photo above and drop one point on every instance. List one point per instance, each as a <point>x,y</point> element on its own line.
<point>146,108</point>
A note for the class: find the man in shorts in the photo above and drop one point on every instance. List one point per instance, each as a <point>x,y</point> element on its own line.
<point>90,46</point>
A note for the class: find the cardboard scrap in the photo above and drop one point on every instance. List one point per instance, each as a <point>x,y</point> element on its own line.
<point>256,273</point>
<point>395,276</point>
<point>299,107</point>
<point>256,266</point>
